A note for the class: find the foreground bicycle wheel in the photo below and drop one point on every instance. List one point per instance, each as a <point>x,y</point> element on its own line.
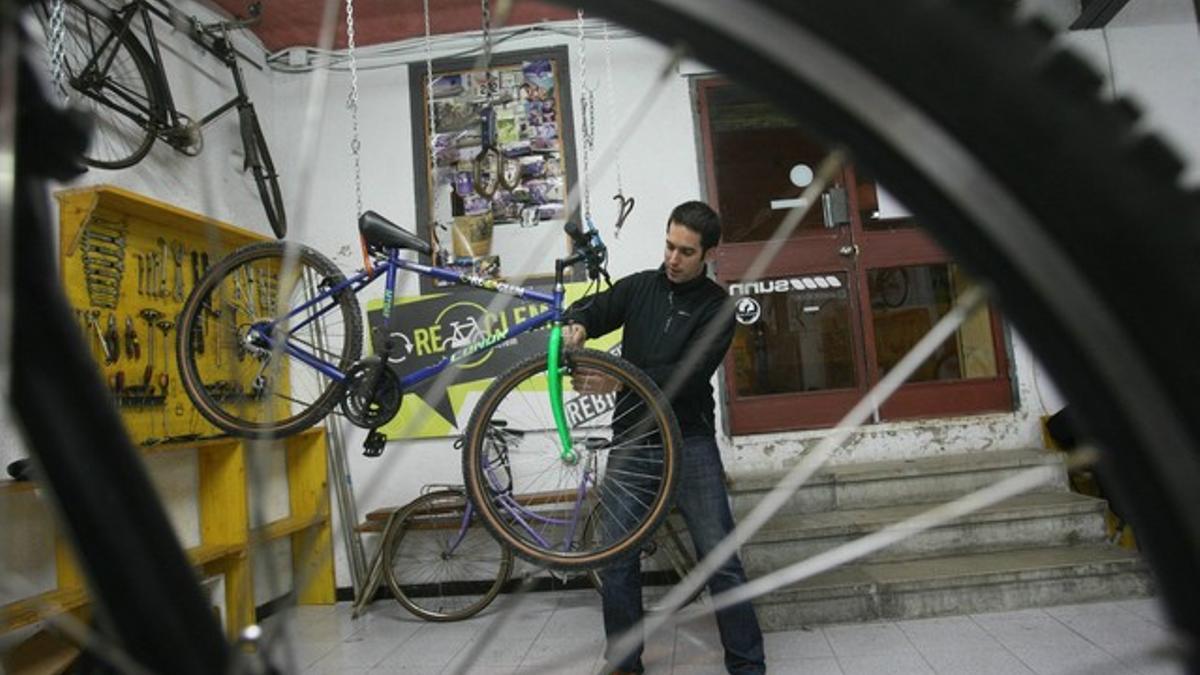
<point>997,138</point>
<point>441,565</point>
<point>235,378</point>
<point>624,470</point>
<point>999,144</point>
<point>109,74</point>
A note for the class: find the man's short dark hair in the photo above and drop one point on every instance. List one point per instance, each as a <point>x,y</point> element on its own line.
<point>699,218</point>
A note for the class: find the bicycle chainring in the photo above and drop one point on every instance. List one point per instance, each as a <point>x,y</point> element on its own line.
<point>187,137</point>
<point>373,394</point>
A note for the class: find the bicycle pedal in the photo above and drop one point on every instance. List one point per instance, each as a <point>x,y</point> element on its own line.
<point>373,446</point>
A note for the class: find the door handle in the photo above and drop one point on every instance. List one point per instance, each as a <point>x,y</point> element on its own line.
<point>848,251</point>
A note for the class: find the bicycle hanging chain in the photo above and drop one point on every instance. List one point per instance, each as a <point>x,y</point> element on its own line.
<point>435,197</point>
<point>352,104</point>
<point>624,204</point>
<point>588,119</point>
<point>56,46</point>
<point>612,114</point>
<point>486,13</point>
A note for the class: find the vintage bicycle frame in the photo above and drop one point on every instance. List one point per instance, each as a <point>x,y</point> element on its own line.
<point>169,117</point>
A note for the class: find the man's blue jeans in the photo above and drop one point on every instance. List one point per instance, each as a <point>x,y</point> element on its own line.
<point>702,500</point>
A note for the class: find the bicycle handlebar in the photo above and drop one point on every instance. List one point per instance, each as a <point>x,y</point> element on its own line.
<point>220,27</point>
<point>589,249</point>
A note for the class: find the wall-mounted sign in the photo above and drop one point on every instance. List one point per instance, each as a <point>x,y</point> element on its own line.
<point>492,151</point>
<point>431,327</point>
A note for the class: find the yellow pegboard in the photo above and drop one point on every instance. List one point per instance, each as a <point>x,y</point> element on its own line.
<point>128,243</point>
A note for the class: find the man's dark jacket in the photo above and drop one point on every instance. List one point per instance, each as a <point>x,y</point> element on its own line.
<point>663,323</point>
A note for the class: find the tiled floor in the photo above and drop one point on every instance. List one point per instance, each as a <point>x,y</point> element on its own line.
<point>560,633</point>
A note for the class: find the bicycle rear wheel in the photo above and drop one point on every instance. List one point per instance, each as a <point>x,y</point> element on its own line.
<point>534,500</point>
<point>233,363</point>
<point>258,159</point>
<point>108,73</point>
<point>440,566</point>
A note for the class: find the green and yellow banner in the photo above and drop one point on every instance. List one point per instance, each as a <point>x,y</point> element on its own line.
<point>427,328</point>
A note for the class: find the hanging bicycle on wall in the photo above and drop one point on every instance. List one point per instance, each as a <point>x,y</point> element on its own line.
<point>98,63</point>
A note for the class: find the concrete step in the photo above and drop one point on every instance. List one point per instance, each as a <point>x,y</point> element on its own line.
<point>957,584</point>
<point>1025,521</point>
<point>888,483</point>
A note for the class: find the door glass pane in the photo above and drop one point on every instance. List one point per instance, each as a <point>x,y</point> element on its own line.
<point>793,335</point>
<point>761,162</point>
<point>907,301</point>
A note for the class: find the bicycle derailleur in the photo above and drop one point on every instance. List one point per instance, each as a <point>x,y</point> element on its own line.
<point>373,397</point>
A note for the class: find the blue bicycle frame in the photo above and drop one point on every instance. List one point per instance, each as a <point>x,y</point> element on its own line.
<point>305,314</point>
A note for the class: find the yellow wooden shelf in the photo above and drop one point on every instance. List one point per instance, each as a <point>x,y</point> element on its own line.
<point>119,206</point>
<point>9,486</point>
<point>207,553</point>
<point>222,494</point>
<point>197,444</point>
<point>37,607</point>
<point>288,526</point>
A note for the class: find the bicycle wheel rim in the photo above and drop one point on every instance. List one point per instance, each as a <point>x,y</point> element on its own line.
<point>537,502</point>
<point>124,103</point>
<point>435,568</point>
<point>947,142</point>
<point>231,384</point>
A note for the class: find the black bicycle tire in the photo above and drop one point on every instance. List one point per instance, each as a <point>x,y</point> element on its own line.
<point>481,420</point>
<point>391,543</point>
<point>258,156</point>
<point>978,176</point>
<point>147,72</point>
<point>193,312</point>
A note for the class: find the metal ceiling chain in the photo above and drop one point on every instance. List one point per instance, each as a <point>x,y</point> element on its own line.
<point>55,46</point>
<point>486,13</point>
<point>355,141</point>
<point>435,193</point>
<point>611,94</point>
<point>587,115</point>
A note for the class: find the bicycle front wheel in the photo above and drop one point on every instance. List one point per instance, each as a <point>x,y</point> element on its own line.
<point>441,564</point>
<point>253,332</point>
<point>108,73</point>
<point>258,159</point>
<point>624,465</point>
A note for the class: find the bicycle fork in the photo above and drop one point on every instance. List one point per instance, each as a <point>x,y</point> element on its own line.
<point>554,372</point>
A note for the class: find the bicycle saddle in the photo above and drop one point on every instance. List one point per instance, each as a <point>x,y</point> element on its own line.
<point>379,231</point>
